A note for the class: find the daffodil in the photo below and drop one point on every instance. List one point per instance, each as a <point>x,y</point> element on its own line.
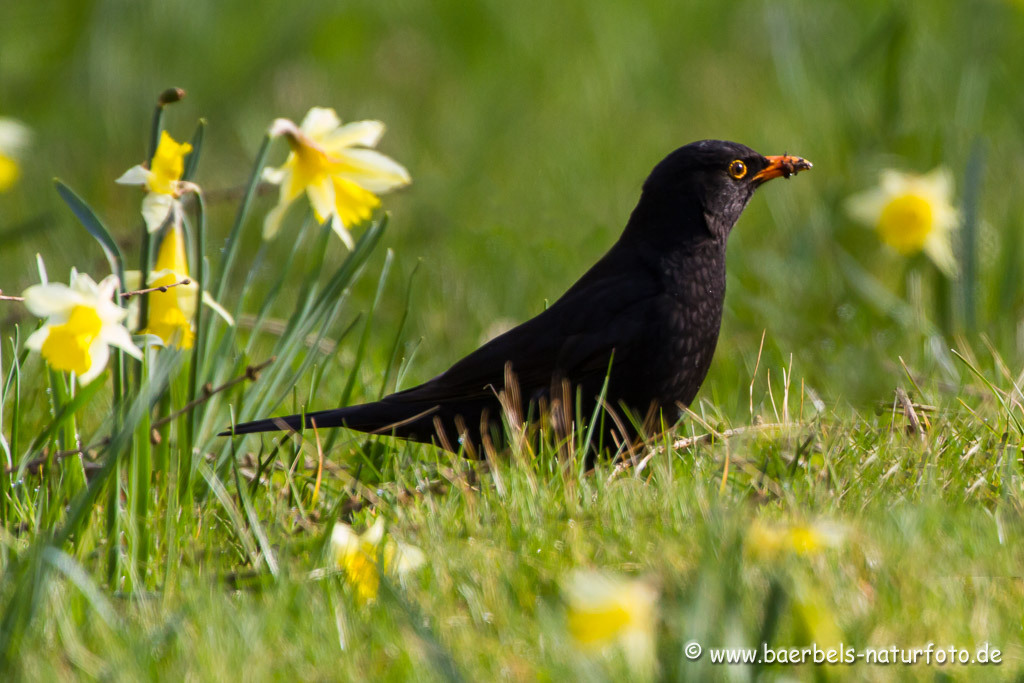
<point>815,620</point>
<point>605,610</point>
<point>162,181</point>
<point>333,165</point>
<point>14,138</point>
<point>769,542</point>
<point>82,321</point>
<point>358,555</point>
<point>912,213</point>
<point>171,314</point>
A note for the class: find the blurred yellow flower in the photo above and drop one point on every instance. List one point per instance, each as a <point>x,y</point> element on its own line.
<point>81,322</point>
<point>332,164</point>
<point>14,138</point>
<point>172,313</point>
<point>358,556</point>
<point>767,542</point>
<point>162,182</point>
<point>605,610</point>
<point>912,213</point>
<point>815,621</point>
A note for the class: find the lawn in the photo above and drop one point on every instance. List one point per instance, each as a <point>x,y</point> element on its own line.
<point>848,477</point>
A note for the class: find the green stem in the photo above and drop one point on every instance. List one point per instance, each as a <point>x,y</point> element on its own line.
<point>192,419</point>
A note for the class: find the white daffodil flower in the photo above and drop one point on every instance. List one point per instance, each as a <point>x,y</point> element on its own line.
<point>82,321</point>
<point>912,213</point>
<point>162,182</point>
<point>14,138</point>
<point>332,164</point>
<point>357,555</point>
<point>770,542</point>
<point>605,610</point>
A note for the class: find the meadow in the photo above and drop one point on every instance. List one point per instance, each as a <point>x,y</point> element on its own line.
<point>849,475</point>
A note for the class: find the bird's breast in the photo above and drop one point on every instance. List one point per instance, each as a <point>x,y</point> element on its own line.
<point>691,318</point>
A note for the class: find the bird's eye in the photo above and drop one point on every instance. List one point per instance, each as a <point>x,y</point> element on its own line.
<point>737,169</point>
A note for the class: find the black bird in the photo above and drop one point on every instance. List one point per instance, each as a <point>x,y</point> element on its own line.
<point>640,326</point>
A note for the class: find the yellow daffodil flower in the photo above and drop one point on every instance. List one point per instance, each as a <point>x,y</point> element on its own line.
<point>14,138</point>
<point>332,164</point>
<point>171,314</point>
<point>162,181</point>
<point>815,620</point>
<point>605,610</point>
<point>81,322</point>
<point>770,542</point>
<point>358,556</point>
<point>912,213</point>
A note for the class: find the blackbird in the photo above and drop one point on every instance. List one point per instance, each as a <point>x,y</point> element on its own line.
<point>634,336</point>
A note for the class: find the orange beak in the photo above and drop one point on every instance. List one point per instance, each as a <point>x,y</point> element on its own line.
<point>784,166</point>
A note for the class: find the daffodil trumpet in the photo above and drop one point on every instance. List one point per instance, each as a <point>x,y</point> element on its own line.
<point>171,315</point>
<point>163,183</point>
<point>912,213</point>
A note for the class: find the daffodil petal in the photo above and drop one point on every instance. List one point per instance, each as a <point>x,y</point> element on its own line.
<point>99,354</point>
<point>14,135</point>
<point>36,339</point>
<point>603,610</point>
<point>82,283</point>
<point>866,207</point>
<point>374,171</point>
<point>344,539</point>
<point>375,534</point>
<point>362,133</point>
<point>407,558</point>
<point>156,208</point>
<point>132,279</point>
<point>186,295</point>
<point>940,252</point>
<point>341,231</point>
<point>321,196</point>
<point>110,313</point>
<point>272,223</point>
<point>49,300</point>
<point>319,122</point>
<point>940,181</point>
<point>275,176</point>
<point>41,267</point>
<point>136,175</point>
<point>117,335</point>
<point>209,301</point>
<point>106,287</point>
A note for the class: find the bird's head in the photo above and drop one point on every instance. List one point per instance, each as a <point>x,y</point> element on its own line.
<point>700,190</point>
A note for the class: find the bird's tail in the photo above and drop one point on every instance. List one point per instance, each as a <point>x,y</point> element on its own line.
<point>381,417</point>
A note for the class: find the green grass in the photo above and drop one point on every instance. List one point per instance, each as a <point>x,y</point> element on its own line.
<point>928,556</point>
<point>528,130</point>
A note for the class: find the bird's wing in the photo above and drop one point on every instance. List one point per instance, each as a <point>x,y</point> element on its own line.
<point>573,338</point>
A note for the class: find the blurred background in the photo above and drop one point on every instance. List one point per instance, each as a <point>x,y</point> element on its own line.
<point>529,128</point>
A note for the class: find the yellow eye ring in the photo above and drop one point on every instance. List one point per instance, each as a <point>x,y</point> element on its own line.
<point>737,169</point>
